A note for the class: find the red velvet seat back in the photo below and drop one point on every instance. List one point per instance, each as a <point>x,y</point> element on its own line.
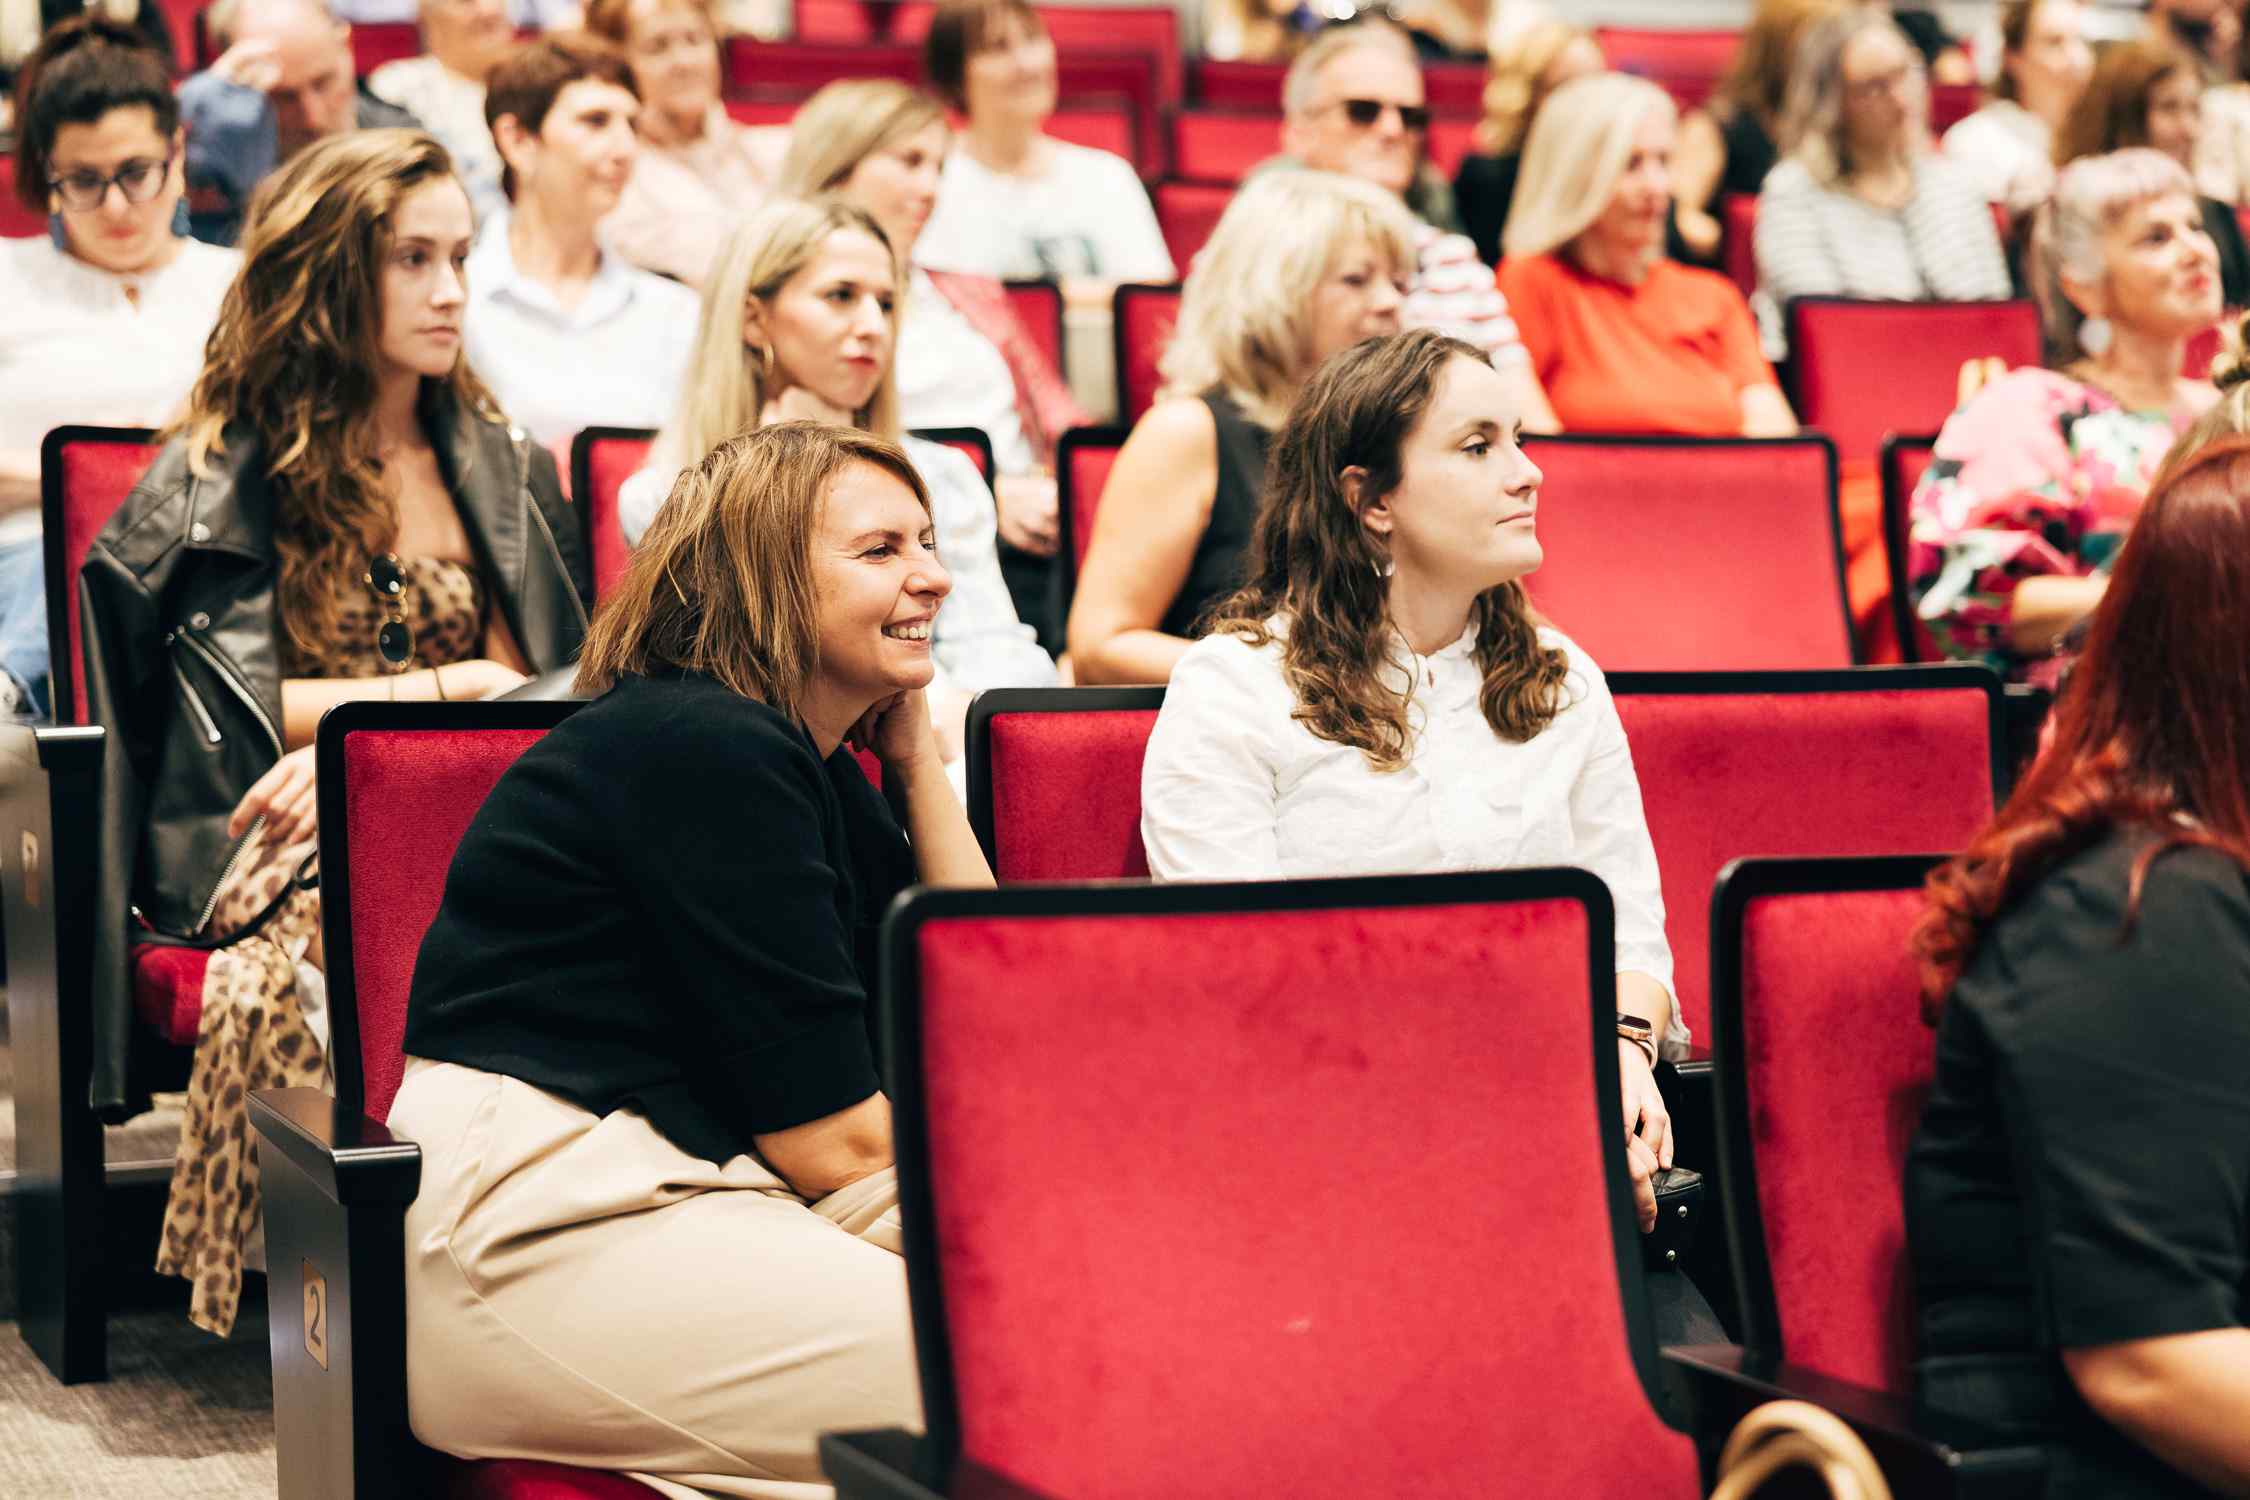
<point>1143,316</point>
<point>16,221</point>
<point>1238,85</point>
<point>1904,457</point>
<point>1222,148</point>
<point>601,460</point>
<point>799,69</point>
<point>1082,463</point>
<point>1951,103</point>
<point>1074,28</point>
<point>1867,368</point>
<point>1739,239</point>
<point>375,43</point>
<point>1825,1065</point>
<point>1187,212</point>
<point>399,784</point>
<point>1055,780</point>
<point>1111,129</point>
<point>972,443</point>
<point>85,475</point>
<point>1039,308</point>
<point>1879,761</point>
<point>1214,1191</point>
<point>1689,64</point>
<point>1693,554</point>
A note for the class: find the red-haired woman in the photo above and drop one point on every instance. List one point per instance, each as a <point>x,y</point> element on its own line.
<point>2078,1197</point>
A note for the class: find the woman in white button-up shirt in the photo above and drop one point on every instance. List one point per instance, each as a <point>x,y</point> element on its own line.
<point>1378,697</point>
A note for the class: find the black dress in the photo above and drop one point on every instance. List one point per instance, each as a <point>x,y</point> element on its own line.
<point>1216,570</point>
<point>2225,229</point>
<point>2082,1171</point>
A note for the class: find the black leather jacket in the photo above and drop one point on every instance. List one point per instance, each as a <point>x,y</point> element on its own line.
<point>183,669</point>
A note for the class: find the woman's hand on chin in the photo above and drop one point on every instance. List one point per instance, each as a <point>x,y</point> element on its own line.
<point>898,730</point>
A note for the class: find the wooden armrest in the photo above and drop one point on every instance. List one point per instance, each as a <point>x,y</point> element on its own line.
<point>1923,1452</point>
<point>349,1158</point>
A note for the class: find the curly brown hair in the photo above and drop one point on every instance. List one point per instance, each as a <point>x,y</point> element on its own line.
<point>1313,566</point>
<point>292,364</point>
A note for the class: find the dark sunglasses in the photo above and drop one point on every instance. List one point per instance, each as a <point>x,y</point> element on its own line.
<point>139,180</point>
<point>394,638</point>
<point>1365,112</point>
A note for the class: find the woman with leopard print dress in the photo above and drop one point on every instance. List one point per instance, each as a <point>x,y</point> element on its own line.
<point>342,513</point>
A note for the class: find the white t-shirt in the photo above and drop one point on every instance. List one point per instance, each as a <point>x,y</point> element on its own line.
<point>1234,787</point>
<point>1085,215</point>
<point>950,375</point>
<point>614,360</point>
<point>2006,153</point>
<point>75,348</point>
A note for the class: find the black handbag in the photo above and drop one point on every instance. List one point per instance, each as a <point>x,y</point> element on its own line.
<point>1679,1210</point>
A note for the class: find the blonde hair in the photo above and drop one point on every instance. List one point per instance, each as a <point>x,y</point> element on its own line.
<point>727,386</point>
<point>292,364</point>
<point>1813,128</point>
<point>844,124</point>
<point>1302,82</point>
<point>1758,81</point>
<point>1517,81</point>
<point>723,580</point>
<point>1577,149</point>
<point>1243,324</point>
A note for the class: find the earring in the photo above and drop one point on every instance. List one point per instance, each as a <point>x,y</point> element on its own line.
<point>180,225</point>
<point>2095,335</point>
<point>56,232</point>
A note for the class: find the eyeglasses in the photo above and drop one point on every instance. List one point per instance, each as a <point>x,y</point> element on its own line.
<point>394,638</point>
<point>140,179</point>
<point>1365,112</point>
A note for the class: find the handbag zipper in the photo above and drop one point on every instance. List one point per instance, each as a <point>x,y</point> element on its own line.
<point>209,725</point>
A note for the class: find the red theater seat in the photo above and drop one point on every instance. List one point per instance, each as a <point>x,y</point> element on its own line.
<point>1862,369</point>
<point>970,442</point>
<point>1248,87</point>
<point>1738,226</point>
<point>16,221</point>
<point>1903,458</point>
<point>601,460</point>
<point>1689,64</point>
<point>1874,760</point>
<point>333,1175</point>
<point>1951,103</point>
<point>1142,319</point>
<point>1693,554</point>
<point>1055,780</point>
<point>375,43</point>
<point>1052,1349</point>
<point>1083,457</point>
<point>1222,148</point>
<point>1039,308</point>
<point>1823,1065</point>
<point>1186,213</point>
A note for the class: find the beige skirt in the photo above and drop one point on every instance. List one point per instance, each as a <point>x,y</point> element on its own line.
<point>580,1290</point>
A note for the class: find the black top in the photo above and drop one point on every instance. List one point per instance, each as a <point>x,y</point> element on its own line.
<point>2225,229</point>
<point>1751,154</point>
<point>669,903</point>
<point>1216,570</point>
<point>2082,1171</point>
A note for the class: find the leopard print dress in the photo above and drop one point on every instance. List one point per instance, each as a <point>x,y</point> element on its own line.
<point>254,1034</point>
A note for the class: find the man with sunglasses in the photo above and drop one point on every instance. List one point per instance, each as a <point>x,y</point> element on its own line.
<point>1354,103</point>
<point>284,81</point>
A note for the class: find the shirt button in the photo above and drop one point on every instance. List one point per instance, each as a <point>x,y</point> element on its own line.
<point>199,532</point>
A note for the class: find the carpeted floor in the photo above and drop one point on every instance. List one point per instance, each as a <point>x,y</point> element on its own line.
<point>184,1416</point>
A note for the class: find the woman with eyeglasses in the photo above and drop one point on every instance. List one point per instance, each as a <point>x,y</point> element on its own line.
<point>105,316</point>
<point>342,514</point>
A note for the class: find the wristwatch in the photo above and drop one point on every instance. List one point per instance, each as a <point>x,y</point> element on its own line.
<point>1640,1033</point>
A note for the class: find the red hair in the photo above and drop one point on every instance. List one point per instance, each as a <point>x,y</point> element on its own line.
<point>2153,730</point>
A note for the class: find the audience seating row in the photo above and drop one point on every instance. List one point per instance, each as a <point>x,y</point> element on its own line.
<point>1006,1091</point>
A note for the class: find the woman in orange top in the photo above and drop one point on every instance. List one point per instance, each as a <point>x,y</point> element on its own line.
<point>1622,339</point>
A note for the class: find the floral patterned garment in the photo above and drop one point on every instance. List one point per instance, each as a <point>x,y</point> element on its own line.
<point>2037,475</point>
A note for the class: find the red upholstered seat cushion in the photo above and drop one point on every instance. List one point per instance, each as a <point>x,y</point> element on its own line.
<point>1838,1064</point>
<point>1395,1276</point>
<point>168,991</point>
<point>523,1479</point>
<point>1066,795</point>
<point>1750,583</point>
<point>1728,776</point>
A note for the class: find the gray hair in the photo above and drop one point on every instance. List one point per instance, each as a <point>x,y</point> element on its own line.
<point>2066,234</point>
<point>1812,107</point>
<point>1301,85</point>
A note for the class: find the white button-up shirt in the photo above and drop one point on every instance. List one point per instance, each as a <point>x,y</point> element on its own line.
<point>614,360</point>
<point>1234,788</point>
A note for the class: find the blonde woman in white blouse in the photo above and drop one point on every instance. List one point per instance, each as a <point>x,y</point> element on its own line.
<point>1378,699</point>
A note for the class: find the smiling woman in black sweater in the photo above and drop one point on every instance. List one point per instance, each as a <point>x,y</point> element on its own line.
<point>657,1226</point>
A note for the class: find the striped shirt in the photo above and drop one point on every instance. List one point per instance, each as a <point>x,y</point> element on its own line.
<point>1816,241</point>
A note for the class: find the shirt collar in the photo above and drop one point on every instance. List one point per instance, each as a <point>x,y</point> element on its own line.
<point>495,273</point>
